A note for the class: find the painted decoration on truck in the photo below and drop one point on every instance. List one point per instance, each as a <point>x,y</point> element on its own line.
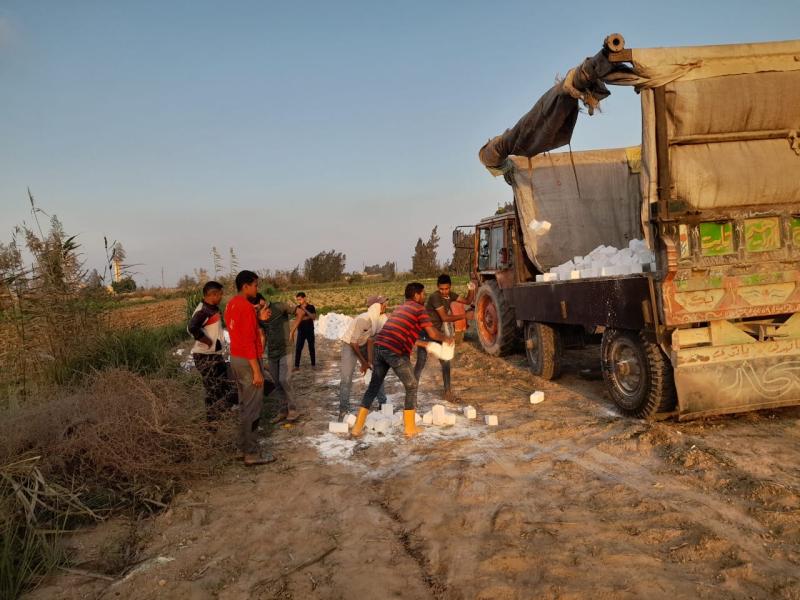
<point>711,297</point>
<point>763,295</point>
<point>795,227</point>
<point>716,239</point>
<point>699,300</point>
<point>762,235</point>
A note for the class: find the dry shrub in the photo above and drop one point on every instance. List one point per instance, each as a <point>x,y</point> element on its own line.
<point>123,440</point>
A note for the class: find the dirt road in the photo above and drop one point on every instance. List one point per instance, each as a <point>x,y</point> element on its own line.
<point>564,499</point>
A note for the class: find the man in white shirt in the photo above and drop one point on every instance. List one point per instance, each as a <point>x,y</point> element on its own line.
<point>357,348</point>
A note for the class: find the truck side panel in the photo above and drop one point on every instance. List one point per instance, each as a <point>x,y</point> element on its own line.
<point>619,302</point>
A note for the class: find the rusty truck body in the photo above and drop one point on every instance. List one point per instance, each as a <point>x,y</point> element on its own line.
<point>714,190</point>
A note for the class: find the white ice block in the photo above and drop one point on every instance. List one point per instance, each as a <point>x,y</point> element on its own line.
<point>575,274</point>
<point>537,397</point>
<point>550,277</point>
<point>337,427</point>
<point>539,278</point>
<point>387,409</point>
<point>397,418</point>
<point>350,420</point>
<point>441,351</point>
<point>439,414</point>
<point>608,271</point>
<point>373,418</point>
<point>635,268</point>
<point>470,412</point>
<point>491,420</point>
<point>539,227</point>
<point>427,418</point>
<point>450,419</point>
<point>382,426</point>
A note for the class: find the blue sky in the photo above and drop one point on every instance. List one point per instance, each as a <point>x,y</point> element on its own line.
<point>283,129</point>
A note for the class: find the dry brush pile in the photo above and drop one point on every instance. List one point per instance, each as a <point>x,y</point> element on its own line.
<point>94,420</point>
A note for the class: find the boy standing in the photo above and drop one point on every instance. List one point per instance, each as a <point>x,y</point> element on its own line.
<point>393,347</point>
<point>278,349</point>
<point>246,351</point>
<point>305,315</point>
<point>440,313</point>
<point>205,326</point>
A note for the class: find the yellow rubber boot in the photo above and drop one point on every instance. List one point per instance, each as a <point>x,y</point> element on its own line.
<point>409,420</point>
<point>358,428</point>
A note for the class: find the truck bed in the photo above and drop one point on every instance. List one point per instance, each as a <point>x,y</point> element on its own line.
<point>623,301</point>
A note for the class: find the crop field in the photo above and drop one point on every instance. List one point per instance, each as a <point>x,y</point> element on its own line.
<point>351,299</point>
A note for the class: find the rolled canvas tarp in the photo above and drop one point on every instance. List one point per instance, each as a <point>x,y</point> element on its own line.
<point>549,124</point>
<point>596,202</point>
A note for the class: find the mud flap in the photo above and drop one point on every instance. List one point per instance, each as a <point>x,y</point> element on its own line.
<point>715,380</point>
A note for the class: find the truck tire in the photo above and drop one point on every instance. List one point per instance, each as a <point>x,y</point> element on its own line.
<point>543,350</point>
<point>637,374</point>
<point>496,324</point>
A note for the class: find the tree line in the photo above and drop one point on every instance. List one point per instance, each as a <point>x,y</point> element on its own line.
<point>329,266</point>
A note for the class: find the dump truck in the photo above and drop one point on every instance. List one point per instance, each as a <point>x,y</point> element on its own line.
<point>712,326</point>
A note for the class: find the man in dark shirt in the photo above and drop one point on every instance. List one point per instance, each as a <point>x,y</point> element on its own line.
<point>278,350</point>
<point>438,307</point>
<point>393,346</point>
<point>303,326</point>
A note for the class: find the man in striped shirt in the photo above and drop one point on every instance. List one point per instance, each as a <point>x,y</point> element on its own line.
<point>393,346</point>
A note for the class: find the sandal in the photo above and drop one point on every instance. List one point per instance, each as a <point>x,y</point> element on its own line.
<point>251,460</point>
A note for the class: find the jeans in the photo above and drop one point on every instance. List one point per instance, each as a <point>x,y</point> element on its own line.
<point>385,359</point>
<point>279,369</point>
<point>302,338</point>
<point>220,390</point>
<point>251,401</point>
<point>348,366</point>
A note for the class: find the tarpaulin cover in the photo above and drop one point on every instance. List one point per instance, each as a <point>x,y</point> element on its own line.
<point>597,202</point>
<point>730,89</point>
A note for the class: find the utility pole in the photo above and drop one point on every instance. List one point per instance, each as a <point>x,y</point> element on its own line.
<point>162,278</point>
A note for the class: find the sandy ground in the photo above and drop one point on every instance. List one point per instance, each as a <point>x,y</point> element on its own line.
<point>565,499</point>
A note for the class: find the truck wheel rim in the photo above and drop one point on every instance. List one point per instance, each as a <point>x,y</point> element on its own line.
<point>532,347</point>
<point>487,320</point>
<point>627,371</point>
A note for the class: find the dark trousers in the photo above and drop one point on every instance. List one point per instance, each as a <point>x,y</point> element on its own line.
<point>422,358</point>
<point>220,389</point>
<point>302,338</point>
<point>384,360</point>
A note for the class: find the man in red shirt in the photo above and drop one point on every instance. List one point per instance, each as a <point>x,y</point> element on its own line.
<point>393,346</point>
<point>246,351</point>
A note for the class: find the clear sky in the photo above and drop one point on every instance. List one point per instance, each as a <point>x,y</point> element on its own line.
<point>287,128</point>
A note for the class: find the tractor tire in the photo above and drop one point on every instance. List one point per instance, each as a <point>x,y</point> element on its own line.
<point>543,349</point>
<point>637,374</point>
<point>495,321</point>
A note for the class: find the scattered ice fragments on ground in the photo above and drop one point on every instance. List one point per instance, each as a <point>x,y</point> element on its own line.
<point>332,325</point>
<point>537,397</point>
<point>604,261</point>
